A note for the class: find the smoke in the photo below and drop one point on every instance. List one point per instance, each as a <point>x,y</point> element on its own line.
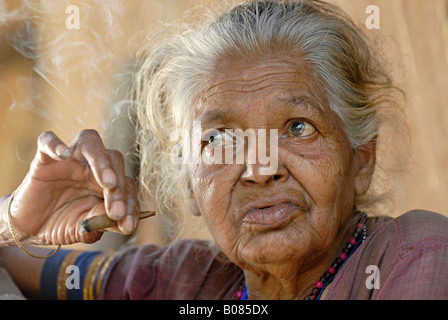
<point>67,60</point>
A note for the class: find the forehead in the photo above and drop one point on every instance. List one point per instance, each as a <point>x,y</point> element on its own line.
<point>239,82</point>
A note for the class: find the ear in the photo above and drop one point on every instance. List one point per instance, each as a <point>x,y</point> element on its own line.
<point>365,160</point>
<point>192,200</point>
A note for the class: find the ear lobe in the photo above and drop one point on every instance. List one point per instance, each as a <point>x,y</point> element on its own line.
<point>194,208</point>
<point>365,160</point>
<point>192,202</point>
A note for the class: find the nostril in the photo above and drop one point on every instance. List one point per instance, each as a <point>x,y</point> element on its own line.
<point>277,177</point>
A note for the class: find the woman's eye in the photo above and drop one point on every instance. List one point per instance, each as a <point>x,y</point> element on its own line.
<point>217,138</point>
<point>213,138</point>
<point>301,129</point>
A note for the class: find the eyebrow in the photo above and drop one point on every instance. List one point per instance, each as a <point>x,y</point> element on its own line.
<point>229,115</point>
<point>302,101</point>
<point>218,116</point>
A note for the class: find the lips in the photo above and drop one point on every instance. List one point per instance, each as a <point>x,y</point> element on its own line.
<point>267,214</point>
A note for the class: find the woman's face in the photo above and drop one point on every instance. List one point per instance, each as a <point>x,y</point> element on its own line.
<point>294,212</point>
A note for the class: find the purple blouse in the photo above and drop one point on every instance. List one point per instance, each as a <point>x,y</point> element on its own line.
<point>401,258</point>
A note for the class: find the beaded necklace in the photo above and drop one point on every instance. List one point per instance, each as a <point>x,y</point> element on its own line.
<point>357,238</point>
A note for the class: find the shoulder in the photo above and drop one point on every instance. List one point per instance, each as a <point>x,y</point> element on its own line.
<point>417,271</point>
<point>408,231</point>
<point>418,229</point>
<point>149,272</point>
<point>412,257</point>
<point>409,254</point>
<point>187,252</point>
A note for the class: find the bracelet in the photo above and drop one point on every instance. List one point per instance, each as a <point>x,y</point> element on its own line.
<point>15,237</point>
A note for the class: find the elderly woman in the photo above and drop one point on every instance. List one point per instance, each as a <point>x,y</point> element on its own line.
<point>293,79</point>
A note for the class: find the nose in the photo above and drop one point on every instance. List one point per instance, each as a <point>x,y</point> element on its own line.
<point>255,175</point>
<point>259,168</point>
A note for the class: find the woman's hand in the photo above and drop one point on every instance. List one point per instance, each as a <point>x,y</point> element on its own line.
<point>67,184</point>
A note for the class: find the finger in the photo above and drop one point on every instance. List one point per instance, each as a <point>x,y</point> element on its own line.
<point>50,147</point>
<point>88,147</point>
<point>90,237</point>
<point>127,225</point>
<point>130,221</point>
<point>108,168</point>
<point>116,199</point>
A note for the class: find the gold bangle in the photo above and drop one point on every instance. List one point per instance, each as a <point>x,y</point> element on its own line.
<point>15,237</point>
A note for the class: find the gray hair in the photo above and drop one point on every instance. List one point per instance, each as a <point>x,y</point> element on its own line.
<point>175,72</point>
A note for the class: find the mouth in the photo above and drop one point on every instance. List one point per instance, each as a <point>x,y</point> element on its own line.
<point>269,215</point>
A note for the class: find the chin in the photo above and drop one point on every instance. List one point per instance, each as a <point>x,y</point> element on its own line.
<point>275,247</point>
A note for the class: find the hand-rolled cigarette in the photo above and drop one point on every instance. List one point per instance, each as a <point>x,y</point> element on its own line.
<point>102,222</point>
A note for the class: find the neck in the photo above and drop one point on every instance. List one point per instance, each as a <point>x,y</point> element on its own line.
<point>295,281</point>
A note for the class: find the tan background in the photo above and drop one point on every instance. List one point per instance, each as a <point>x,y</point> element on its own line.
<point>52,78</point>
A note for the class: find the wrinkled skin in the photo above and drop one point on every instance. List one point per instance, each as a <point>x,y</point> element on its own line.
<point>67,184</point>
<point>283,228</point>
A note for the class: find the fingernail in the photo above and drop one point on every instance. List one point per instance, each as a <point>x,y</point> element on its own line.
<point>60,149</point>
<point>63,152</point>
<point>128,224</point>
<point>108,177</point>
<point>117,210</point>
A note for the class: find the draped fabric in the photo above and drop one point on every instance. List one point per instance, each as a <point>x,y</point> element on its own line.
<point>401,258</point>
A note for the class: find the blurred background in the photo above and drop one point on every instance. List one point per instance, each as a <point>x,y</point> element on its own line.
<point>65,75</point>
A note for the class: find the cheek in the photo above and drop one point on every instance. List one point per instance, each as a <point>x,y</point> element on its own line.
<point>325,173</point>
<point>324,169</point>
<point>212,186</point>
